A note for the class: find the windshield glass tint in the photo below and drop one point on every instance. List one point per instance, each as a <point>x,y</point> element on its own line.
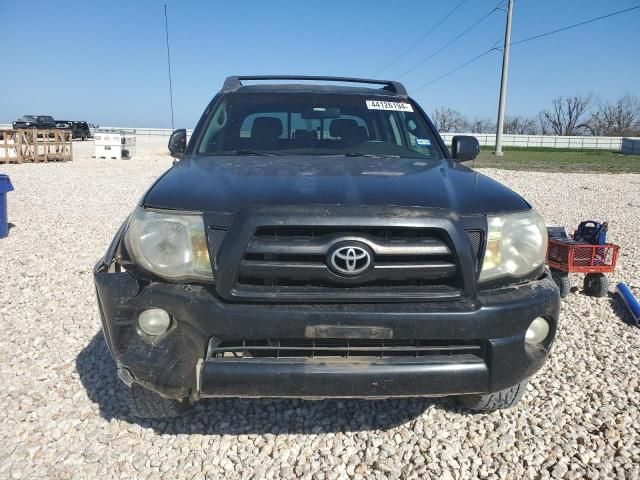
<point>317,124</point>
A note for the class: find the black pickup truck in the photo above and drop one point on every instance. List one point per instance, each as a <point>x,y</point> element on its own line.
<point>319,240</point>
<point>79,129</point>
<point>35,121</point>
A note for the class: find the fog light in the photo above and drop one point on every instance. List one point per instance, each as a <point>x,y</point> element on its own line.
<point>537,331</point>
<point>154,321</point>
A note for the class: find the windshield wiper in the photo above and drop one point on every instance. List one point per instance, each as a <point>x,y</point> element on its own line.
<point>253,152</point>
<point>369,155</point>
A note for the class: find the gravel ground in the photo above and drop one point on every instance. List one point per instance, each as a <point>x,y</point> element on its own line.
<point>62,415</point>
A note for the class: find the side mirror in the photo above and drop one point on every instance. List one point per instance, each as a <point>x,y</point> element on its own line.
<point>178,143</point>
<point>464,148</point>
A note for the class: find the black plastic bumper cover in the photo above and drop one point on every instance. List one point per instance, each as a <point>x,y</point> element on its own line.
<point>175,364</point>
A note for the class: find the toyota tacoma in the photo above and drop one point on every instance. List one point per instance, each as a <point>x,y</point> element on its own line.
<point>315,238</point>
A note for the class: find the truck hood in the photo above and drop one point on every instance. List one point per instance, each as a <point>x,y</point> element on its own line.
<point>232,183</point>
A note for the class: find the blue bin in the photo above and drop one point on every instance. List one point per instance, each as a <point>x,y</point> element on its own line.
<point>5,187</point>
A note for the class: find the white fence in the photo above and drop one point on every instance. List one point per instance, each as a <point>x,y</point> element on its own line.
<point>145,132</point>
<point>485,139</point>
<point>545,141</point>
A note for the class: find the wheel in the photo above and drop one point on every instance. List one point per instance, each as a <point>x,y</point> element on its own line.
<point>596,284</point>
<point>495,401</point>
<point>144,403</point>
<point>563,281</point>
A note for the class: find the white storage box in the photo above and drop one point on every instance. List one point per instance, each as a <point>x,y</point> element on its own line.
<point>114,144</point>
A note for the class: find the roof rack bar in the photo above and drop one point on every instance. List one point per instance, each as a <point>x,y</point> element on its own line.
<point>234,82</point>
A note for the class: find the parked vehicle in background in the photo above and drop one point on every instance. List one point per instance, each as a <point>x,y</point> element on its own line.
<point>35,121</point>
<point>79,130</point>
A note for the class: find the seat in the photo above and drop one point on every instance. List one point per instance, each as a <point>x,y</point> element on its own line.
<point>305,138</point>
<point>348,131</point>
<point>265,133</point>
<point>359,135</point>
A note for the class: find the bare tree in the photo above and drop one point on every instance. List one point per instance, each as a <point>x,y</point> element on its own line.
<point>481,125</point>
<point>449,120</point>
<point>568,115</point>
<point>545,128</point>
<point>618,119</point>
<point>520,126</point>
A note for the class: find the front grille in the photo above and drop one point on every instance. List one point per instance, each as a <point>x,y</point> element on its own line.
<point>476,240</point>
<point>345,348</point>
<point>215,237</point>
<point>283,260</point>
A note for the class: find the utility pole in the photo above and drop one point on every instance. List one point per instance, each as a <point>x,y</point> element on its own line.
<point>503,83</point>
<point>166,29</point>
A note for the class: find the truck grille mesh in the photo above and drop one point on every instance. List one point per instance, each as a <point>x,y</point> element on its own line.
<point>475,238</point>
<point>295,260</point>
<point>346,348</point>
<point>215,237</point>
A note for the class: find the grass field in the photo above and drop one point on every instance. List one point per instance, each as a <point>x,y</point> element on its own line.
<point>559,160</point>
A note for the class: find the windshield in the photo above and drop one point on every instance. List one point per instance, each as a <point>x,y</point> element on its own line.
<point>27,118</point>
<point>317,124</point>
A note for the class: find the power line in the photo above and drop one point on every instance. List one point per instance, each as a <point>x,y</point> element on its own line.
<point>166,28</point>
<point>574,25</point>
<point>413,45</point>
<point>469,62</point>
<point>446,45</point>
<point>494,48</point>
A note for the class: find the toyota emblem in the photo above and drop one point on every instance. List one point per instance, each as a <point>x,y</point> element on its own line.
<point>350,259</point>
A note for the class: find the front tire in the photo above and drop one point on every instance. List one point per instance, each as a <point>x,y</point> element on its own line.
<point>563,281</point>
<point>495,401</point>
<point>144,403</point>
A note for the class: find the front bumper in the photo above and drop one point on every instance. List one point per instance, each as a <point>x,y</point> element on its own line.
<point>176,365</point>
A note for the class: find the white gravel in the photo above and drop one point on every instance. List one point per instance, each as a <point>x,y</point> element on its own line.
<point>62,415</point>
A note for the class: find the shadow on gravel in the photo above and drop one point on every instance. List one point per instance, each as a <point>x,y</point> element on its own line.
<point>247,416</point>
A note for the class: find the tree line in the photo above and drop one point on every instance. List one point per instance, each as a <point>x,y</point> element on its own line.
<point>570,115</point>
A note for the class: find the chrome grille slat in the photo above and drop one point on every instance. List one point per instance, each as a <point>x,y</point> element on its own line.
<point>319,271</point>
<point>320,245</point>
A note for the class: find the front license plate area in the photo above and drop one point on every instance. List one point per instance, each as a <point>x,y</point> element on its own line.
<point>348,331</point>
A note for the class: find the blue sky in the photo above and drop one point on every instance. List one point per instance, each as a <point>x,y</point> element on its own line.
<point>106,62</point>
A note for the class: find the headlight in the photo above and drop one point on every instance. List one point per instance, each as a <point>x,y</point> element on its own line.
<point>170,245</point>
<point>516,245</point>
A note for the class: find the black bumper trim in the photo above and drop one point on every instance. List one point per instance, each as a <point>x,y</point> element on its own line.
<point>169,366</point>
<point>337,379</point>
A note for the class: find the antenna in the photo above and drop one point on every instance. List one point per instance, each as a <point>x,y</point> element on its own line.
<point>166,28</point>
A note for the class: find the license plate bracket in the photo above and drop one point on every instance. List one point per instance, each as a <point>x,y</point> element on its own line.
<point>348,331</point>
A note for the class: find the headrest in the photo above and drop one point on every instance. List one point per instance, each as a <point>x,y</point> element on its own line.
<point>342,127</point>
<point>305,135</point>
<point>360,134</point>
<point>266,127</point>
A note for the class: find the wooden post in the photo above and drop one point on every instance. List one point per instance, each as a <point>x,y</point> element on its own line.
<point>5,153</point>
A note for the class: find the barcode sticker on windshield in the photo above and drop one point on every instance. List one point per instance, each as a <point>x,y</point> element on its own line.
<point>382,105</point>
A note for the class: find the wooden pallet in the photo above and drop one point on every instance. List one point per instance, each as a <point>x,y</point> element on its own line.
<point>35,145</point>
